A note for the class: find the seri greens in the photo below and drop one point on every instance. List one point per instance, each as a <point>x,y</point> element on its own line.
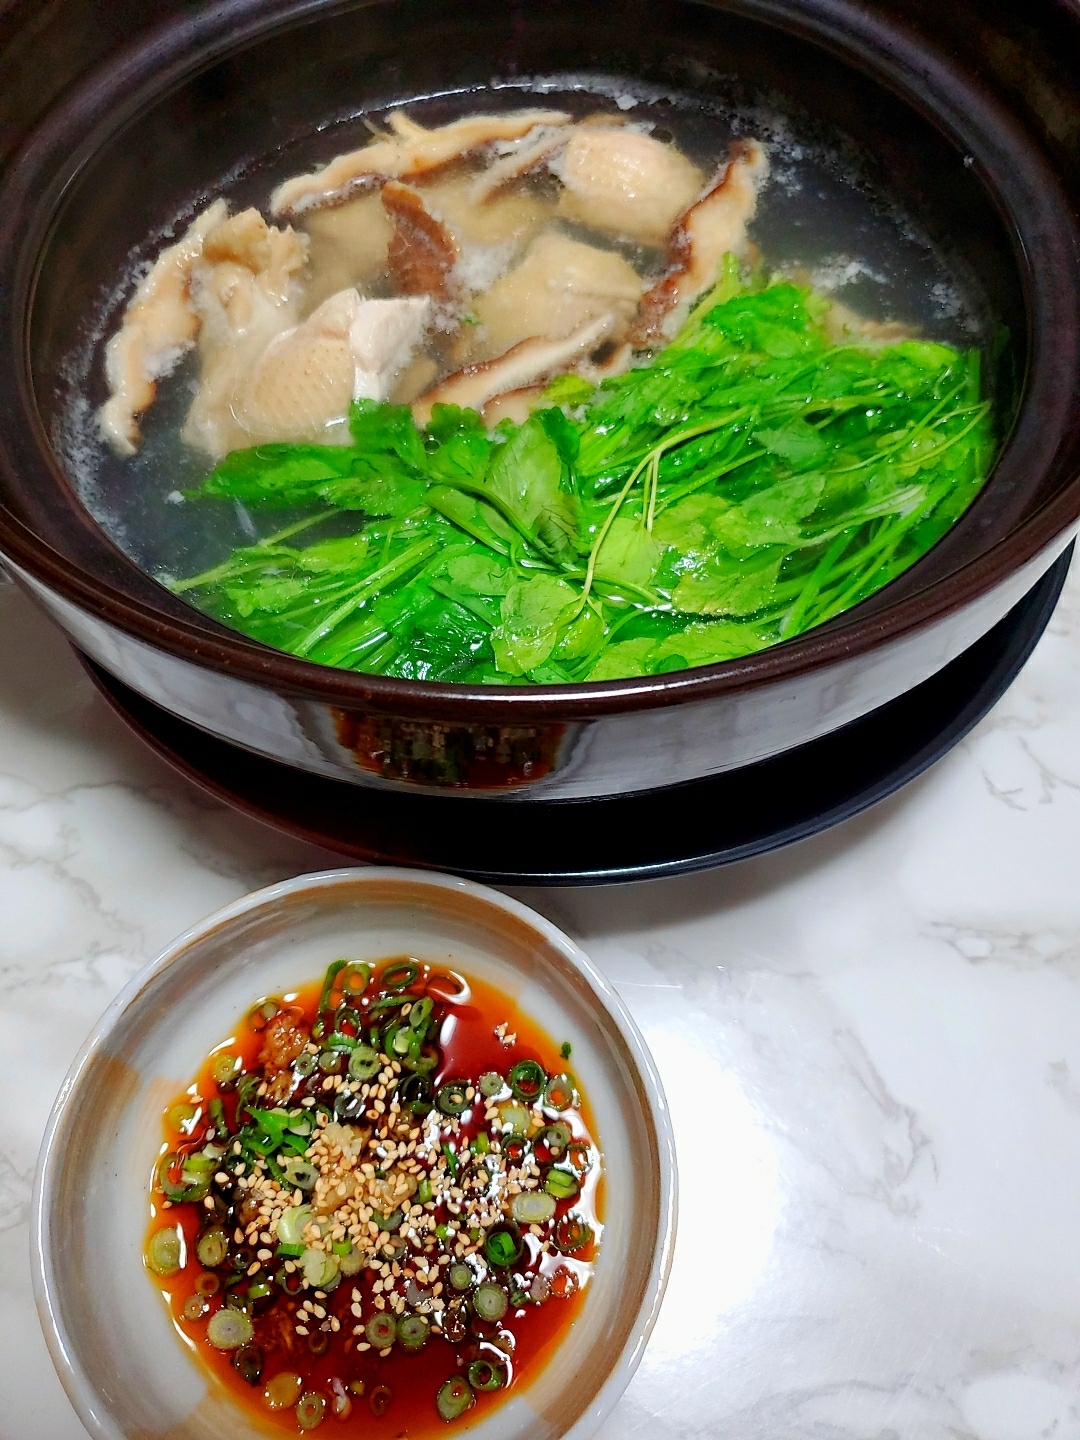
<point>751,481</point>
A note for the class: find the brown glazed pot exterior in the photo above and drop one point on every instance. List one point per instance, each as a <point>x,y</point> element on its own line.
<point>975,125</point>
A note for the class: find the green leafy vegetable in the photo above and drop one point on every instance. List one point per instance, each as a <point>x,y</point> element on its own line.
<point>747,483</point>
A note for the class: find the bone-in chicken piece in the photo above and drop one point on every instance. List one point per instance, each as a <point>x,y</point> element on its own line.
<point>412,151</point>
<point>509,219</point>
<point>159,325</point>
<point>559,286</point>
<point>348,246</point>
<point>704,235</point>
<point>245,291</point>
<point>348,349</point>
<point>422,254</point>
<point>522,366</point>
<point>625,183</point>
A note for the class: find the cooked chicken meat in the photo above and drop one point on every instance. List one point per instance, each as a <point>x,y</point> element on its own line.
<point>715,225</point>
<point>302,385</point>
<point>348,246</point>
<point>159,325</point>
<point>625,183</point>
<point>522,366</point>
<point>560,285</point>
<point>245,292</point>
<point>289,335</point>
<point>410,152</point>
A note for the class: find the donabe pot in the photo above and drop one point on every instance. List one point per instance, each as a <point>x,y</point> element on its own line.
<point>972,126</point>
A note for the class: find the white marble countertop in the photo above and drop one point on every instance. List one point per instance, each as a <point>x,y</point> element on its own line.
<point>870,1041</point>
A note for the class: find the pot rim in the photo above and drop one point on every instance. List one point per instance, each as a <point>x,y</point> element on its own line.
<point>1042,231</point>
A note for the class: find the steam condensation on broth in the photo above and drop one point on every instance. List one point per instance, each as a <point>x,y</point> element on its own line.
<point>566,390</point>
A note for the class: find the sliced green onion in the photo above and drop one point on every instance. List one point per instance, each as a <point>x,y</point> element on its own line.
<point>451,1098</point>
<point>259,1290</point>
<point>290,1252</point>
<point>390,1222</point>
<point>208,1285</point>
<point>353,979</point>
<point>556,1138</point>
<point>412,1331</point>
<point>420,1014</point>
<point>527,1080</point>
<point>342,1043</point>
<point>416,1094</point>
<point>320,1269</point>
<point>565,1050</point>
<point>389,1002</point>
<point>333,971</point>
<point>460,1276</point>
<point>561,1184</point>
<point>347,1015</point>
<point>300,1173</point>
<point>224,1067</point>
<point>490,1302</point>
<point>454,1398</point>
<point>424,1191</point>
<point>194,1307</point>
<point>248,1363</point>
<point>331,1062</point>
<point>310,1410</point>
<point>483,1375</point>
<point>212,1248</point>
<point>283,1390</point>
<point>364,1063</point>
<point>423,1064</point>
<point>481,1145</point>
<point>502,1246</point>
<point>229,1329</point>
<point>165,1251</point>
<point>514,1117</point>
<point>304,1064</point>
<point>180,1118</point>
<point>184,1191</point>
<point>381,1330</point>
<point>491,1083</point>
<point>379,1400</point>
<point>579,1157</point>
<point>400,975</point>
<point>532,1207</point>
<point>572,1233</point>
<point>559,1094</point>
<point>290,1228</point>
<point>351,1261</point>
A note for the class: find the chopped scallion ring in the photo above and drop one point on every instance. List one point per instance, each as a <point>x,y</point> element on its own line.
<point>454,1398</point>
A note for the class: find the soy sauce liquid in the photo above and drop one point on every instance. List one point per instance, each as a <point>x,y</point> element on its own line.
<point>469,1048</point>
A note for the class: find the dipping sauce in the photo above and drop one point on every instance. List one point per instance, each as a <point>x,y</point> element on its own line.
<point>378,1205</point>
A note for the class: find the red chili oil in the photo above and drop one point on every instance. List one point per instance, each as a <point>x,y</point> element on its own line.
<point>389,1396</point>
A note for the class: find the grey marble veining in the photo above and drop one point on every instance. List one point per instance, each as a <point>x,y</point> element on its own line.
<point>871,1044</point>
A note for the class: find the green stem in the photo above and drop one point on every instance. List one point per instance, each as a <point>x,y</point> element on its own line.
<point>386,574</point>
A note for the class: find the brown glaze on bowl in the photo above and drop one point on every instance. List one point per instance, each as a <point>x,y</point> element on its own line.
<point>973,126</point>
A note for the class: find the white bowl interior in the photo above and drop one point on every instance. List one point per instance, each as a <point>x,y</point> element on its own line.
<point>111,1337</point>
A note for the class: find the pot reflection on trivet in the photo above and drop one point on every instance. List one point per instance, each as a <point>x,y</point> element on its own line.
<point>704,823</point>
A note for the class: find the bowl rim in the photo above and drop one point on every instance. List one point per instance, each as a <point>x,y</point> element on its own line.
<point>85,1399</point>
<point>1028,196</point>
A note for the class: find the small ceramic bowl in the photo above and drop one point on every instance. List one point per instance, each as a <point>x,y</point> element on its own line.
<point>111,1340</point>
